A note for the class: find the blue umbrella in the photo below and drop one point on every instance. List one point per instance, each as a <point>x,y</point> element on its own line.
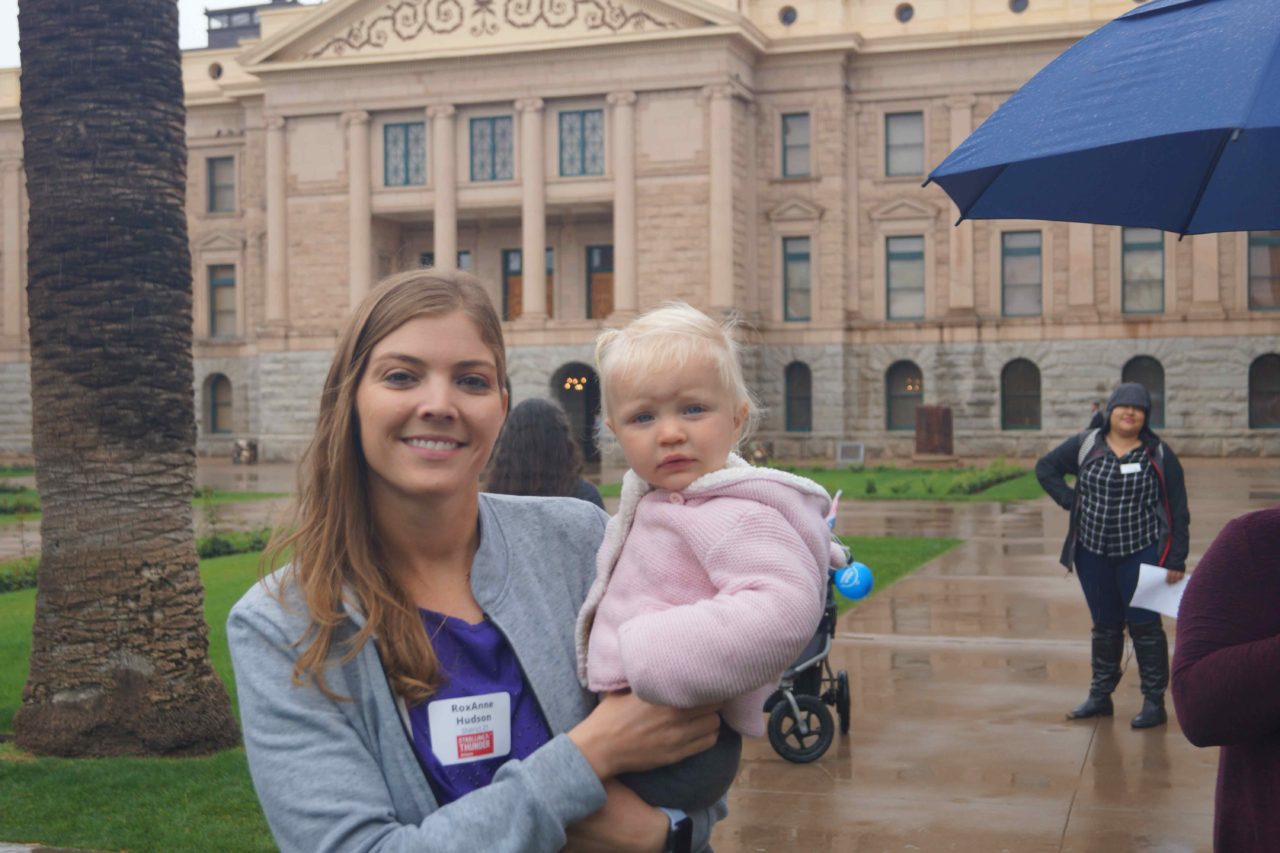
<point>1168,117</point>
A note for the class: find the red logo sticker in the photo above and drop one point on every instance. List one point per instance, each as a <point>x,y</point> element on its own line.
<point>470,746</point>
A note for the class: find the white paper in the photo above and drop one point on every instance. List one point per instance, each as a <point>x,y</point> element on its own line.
<point>1154,591</point>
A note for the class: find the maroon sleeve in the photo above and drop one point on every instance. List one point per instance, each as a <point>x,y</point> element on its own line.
<point>1226,662</point>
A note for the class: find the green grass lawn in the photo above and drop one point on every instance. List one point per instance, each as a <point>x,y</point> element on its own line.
<point>198,804</point>
<point>891,558</point>
<point>913,484</point>
<point>11,471</point>
<point>171,804</point>
<point>207,499</point>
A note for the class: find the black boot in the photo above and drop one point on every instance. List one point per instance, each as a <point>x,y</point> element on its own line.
<point>1108,650</point>
<point>1151,648</point>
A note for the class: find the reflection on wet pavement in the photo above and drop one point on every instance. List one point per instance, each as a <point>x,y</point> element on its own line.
<point>960,677</point>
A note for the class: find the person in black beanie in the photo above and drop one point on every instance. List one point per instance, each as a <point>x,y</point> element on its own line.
<point>1128,507</point>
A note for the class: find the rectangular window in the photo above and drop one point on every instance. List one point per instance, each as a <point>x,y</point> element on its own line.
<point>404,154</point>
<point>491,142</point>
<point>581,143</point>
<point>1142,271</point>
<point>1264,270</point>
<point>599,282</point>
<point>795,145</point>
<point>222,184</point>
<point>513,280</point>
<point>1021,274</point>
<point>904,144</point>
<point>512,283</point>
<point>550,258</point>
<point>428,259</point>
<point>796,269</point>
<point>222,301</point>
<point>905,278</point>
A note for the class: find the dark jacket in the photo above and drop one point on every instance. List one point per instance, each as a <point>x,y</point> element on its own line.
<point>585,490</point>
<point>1175,518</point>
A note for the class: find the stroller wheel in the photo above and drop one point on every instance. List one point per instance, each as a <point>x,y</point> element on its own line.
<point>803,740</point>
<point>842,700</point>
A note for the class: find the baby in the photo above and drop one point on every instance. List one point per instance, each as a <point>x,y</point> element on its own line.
<point>712,576</point>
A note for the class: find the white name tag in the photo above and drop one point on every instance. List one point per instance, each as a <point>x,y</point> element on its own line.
<point>1130,467</point>
<point>470,728</point>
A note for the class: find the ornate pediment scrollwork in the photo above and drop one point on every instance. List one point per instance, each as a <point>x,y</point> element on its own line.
<point>405,20</point>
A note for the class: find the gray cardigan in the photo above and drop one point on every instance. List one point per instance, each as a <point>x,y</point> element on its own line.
<point>343,775</point>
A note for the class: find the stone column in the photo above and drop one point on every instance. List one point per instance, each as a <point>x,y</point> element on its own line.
<point>444,175</point>
<point>277,223</point>
<point>720,239</point>
<point>960,295</point>
<point>625,297</point>
<point>11,199</point>
<point>533,211</point>
<point>1081,298</point>
<point>359,207</point>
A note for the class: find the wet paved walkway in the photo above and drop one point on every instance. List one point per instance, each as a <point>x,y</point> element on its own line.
<point>961,675</point>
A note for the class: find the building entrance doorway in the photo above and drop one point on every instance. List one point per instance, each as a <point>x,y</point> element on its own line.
<point>577,388</point>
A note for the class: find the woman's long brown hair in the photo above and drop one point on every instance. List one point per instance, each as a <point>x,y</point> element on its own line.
<point>329,536</point>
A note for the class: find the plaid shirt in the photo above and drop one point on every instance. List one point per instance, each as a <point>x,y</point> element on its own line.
<point>1118,512</point>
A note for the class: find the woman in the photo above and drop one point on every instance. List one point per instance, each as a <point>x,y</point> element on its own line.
<point>1129,507</point>
<point>408,680</point>
<point>1225,685</point>
<point>536,455</point>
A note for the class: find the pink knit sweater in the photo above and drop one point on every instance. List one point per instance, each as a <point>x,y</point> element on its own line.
<point>707,595</point>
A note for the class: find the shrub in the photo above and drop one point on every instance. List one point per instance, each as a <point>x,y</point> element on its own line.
<point>19,573</point>
<point>870,487</point>
<point>222,544</point>
<point>901,488</point>
<point>977,479</point>
<point>19,504</point>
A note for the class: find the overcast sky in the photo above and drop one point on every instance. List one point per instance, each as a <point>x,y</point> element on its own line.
<point>192,25</point>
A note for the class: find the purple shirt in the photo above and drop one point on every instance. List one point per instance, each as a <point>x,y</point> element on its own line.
<point>476,660</point>
<point>1225,685</point>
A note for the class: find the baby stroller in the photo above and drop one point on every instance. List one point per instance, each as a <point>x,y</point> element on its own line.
<point>800,726</point>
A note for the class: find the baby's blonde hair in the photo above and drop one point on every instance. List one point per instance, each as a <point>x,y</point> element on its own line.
<point>667,338</point>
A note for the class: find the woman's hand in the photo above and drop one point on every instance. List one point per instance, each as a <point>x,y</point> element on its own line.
<point>1172,577</point>
<point>626,823</point>
<point>625,734</point>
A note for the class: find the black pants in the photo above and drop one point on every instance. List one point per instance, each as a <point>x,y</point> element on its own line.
<point>1109,582</point>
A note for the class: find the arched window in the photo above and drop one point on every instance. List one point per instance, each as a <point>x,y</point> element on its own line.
<point>219,396</point>
<point>903,391</point>
<point>1264,392</point>
<point>1020,395</point>
<point>1148,372</point>
<point>799,397</point>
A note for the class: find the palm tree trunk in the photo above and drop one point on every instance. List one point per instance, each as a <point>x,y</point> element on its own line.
<point>119,661</point>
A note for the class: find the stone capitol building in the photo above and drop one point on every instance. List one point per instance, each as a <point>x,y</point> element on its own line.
<point>588,159</point>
